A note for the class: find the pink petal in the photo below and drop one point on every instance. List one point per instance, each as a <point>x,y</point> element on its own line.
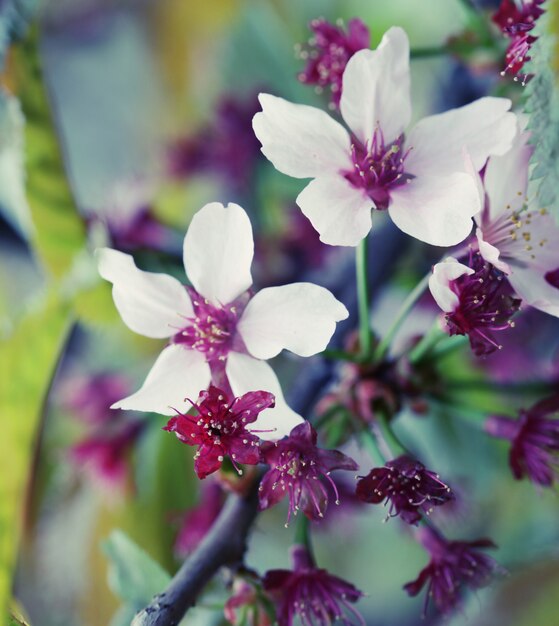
<point>483,128</point>
<point>340,213</point>
<point>376,88</point>
<point>436,209</point>
<point>248,374</point>
<point>177,374</point>
<point>218,251</point>
<point>443,273</point>
<point>300,317</point>
<point>154,305</point>
<point>301,141</point>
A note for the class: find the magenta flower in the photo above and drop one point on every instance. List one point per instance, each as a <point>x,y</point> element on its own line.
<point>219,429</point>
<point>296,468</point>
<point>516,20</point>
<point>419,177</point>
<point>90,397</point>
<point>516,235</point>
<point>328,51</point>
<point>314,595</point>
<point>199,519</point>
<point>454,565</point>
<point>104,457</point>
<point>219,330</point>
<point>408,485</point>
<point>476,298</point>
<point>534,438</point>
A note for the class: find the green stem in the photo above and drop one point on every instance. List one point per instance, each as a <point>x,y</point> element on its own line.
<point>449,345</point>
<point>496,386</point>
<point>303,533</point>
<point>427,343</point>
<point>473,416</point>
<point>363,300</point>
<point>406,307</point>
<point>341,355</point>
<point>396,446</point>
<point>370,443</point>
<point>428,53</point>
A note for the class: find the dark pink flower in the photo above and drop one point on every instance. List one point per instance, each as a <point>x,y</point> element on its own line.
<point>477,299</point>
<point>454,565</point>
<point>296,468</point>
<point>199,519</point>
<point>516,20</point>
<point>314,595</point>
<point>534,438</point>
<point>408,485</point>
<point>90,397</point>
<point>220,428</point>
<point>105,456</point>
<point>328,51</point>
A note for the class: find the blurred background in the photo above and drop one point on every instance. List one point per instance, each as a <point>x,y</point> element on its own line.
<point>152,105</point>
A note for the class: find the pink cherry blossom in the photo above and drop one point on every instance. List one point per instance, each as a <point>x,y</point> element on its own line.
<point>419,177</point>
<point>515,234</point>
<point>218,330</point>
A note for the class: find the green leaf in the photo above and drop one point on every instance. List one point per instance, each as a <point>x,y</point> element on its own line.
<point>133,576</point>
<point>27,361</point>
<point>542,103</point>
<point>59,231</point>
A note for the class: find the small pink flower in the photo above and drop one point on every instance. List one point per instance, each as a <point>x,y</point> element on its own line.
<point>247,606</point>
<point>477,299</point>
<point>328,52</point>
<point>311,594</point>
<point>419,177</point>
<point>516,235</point>
<point>220,428</point>
<point>534,438</point>
<point>218,330</point>
<point>454,565</point>
<point>411,489</point>
<point>297,466</point>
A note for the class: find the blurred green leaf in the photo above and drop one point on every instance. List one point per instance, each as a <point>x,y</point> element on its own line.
<point>133,576</point>
<point>59,231</point>
<point>27,364</point>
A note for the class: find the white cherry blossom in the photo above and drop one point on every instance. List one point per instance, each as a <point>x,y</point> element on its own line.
<point>218,330</point>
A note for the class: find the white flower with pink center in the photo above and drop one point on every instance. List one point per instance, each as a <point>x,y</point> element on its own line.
<point>514,234</point>
<point>419,177</point>
<point>218,329</point>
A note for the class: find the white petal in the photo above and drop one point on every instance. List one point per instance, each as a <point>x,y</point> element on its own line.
<point>376,88</point>
<point>490,253</point>
<point>154,305</point>
<point>218,251</point>
<point>340,213</point>
<point>177,374</point>
<point>530,284</point>
<point>248,374</point>
<point>483,128</point>
<point>301,141</point>
<point>444,272</point>
<point>506,178</point>
<point>436,209</point>
<point>300,317</point>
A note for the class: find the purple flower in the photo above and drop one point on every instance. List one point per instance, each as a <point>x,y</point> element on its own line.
<point>534,438</point>
<point>328,51</point>
<point>408,485</point>
<point>317,597</point>
<point>199,519</point>
<point>90,397</point>
<point>477,300</point>
<point>453,566</point>
<point>516,20</point>
<point>220,428</point>
<point>227,147</point>
<point>296,469</point>
<point>104,457</point>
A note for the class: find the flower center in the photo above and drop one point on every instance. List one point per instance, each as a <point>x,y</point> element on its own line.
<point>212,328</point>
<point>378,167</point>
